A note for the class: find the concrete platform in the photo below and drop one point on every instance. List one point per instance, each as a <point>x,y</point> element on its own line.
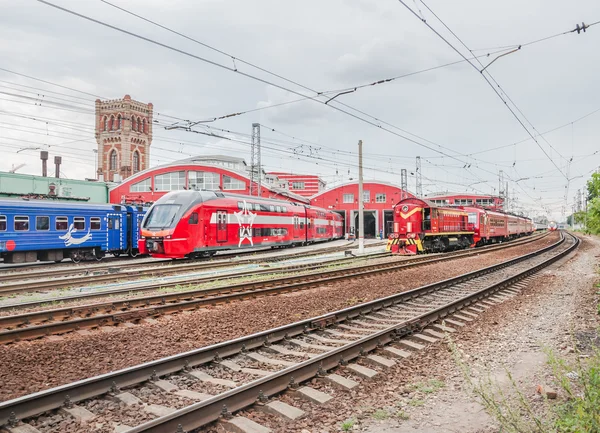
<point>282,409</point>
<point>239,424</point>
<point>313,395</point>
<point>361,371</point>
<point>340,381</point>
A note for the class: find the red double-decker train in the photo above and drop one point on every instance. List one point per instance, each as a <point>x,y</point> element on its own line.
<point>420,226</point>
<point>200,223</point>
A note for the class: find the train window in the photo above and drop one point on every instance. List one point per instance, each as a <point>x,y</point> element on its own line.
<point>193,219</point>
<point>62,223</point>
<point>95,223</point>
<point>277,208</point>
<point>42,223</point>
<point>240,205</point>
<point>2,223</point>
<point>257,206</point>
<point>301,225</point>
<point>271,208</point>
<point>284,209</point>
<point>21,223</point>
<point>258,232</point>
<point>79,223</point>
<point>110,224</point>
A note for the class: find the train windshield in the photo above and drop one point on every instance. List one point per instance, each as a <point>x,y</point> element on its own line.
<point>472,218</point>
<point>162,216</point>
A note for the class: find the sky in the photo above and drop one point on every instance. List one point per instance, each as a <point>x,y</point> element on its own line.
<point>278,62</point>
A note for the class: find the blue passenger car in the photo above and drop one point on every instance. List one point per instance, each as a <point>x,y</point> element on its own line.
<point>51,231</point>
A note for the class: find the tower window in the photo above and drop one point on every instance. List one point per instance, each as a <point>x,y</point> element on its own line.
<point>119,121</point>
<point>104,122</point>
<point>113,160</point>
<point>136,161</point>
<point>144,126</point>
<point>111,123</point>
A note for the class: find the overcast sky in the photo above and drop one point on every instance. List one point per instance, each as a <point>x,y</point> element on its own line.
<point>323,46</point>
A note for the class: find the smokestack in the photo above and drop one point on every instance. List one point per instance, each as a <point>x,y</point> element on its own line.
<point>57,161</point>
<point>44,158</point>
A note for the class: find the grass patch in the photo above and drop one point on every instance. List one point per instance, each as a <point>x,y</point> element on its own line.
<point>380,414</point>
<point>415,402</point>
<point>402,415</point>
<point>347,425</point>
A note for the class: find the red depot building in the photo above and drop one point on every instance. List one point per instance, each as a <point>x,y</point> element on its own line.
<point>216,173</point>
<point>305,185</point>
<point>487,201</point>
<point>379,200</point>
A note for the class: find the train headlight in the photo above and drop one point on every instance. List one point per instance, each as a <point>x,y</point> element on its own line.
<point>411,235</point>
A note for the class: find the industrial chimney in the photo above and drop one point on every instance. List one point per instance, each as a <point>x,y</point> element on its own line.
<point>57,161</point>
<point>44,158</point>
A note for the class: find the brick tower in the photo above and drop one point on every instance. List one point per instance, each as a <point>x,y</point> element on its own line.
<point>123,134</point>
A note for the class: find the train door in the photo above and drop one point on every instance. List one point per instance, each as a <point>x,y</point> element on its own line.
<point>114,233</point>
<point>295,230</point>
<point>221,226</point>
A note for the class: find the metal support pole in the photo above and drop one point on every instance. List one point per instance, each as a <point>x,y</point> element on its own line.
<point>361,203</point>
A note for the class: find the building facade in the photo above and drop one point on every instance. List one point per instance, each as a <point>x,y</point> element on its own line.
<point>486,201</point>
<point>305,185</point>
<point>379,199</point>
<point>17,185</point>
<point>216,173</point>
<point>124,135</point>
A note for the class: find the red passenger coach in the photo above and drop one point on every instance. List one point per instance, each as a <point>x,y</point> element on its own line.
<point>200,223</point>
<point>492,226</point>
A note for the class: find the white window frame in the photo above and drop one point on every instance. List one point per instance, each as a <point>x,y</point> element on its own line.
<point>3,218</point>
<point>160,184</point>
<point>61,219</point>
<point>380,197</point>
<point>348,198</point>
<point>79,219</point>
<point>233,184</point>
<point>15,223</point>
<point>142,186</point>
<point>36,223</point>
<point>366,196</point>
<point>97,220</point>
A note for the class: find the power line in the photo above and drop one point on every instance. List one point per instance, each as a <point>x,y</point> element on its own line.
<point>484,77</point>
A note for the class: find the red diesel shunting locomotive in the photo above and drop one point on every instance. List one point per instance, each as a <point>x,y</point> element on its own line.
<point>421,226</point>
<point>200,223</point>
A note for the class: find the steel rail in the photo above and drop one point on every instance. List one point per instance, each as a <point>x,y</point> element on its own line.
<point>146,287</point>
<point>113,273</point>
<point>210,410</point>
<point>43,401</point>
<point>61,320</point>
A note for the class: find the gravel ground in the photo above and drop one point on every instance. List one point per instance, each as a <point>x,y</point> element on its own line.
<point>31,366</point>
<point>428,393</point>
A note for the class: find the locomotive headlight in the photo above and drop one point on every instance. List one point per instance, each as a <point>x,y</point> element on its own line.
<point>411,235</point>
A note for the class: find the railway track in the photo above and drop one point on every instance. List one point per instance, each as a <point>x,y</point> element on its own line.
<point>61,278</point>
<point>199,387</point>
<point>37,324</point>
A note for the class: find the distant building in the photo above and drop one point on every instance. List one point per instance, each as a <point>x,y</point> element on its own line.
<point>124,135</point>
<point>17,185</point>
<point>379,199</point>
<point>487,201</point>
<point>306,185</point>
<point>214,173</point>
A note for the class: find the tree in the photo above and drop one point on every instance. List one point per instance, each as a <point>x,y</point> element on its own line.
<point>593,187</point>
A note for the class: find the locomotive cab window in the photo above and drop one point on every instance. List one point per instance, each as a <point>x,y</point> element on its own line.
<point>2,223</point>
<point>62,223</point>
<point>95,223</point>
<point>193,219</point>
<point>21,223</point>
<point>277,208</point>
<point>79,223</point>
<point>42,223</point>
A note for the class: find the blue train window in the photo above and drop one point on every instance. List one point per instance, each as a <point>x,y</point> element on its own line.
<point>62,223</point>
<point>2,223</point>
<point>95,223</point>
<point>21,223</point>
<point>42,223</point>
<point>79,223</point>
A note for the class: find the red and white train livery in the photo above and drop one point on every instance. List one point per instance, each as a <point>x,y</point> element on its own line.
<point>200,223</point>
